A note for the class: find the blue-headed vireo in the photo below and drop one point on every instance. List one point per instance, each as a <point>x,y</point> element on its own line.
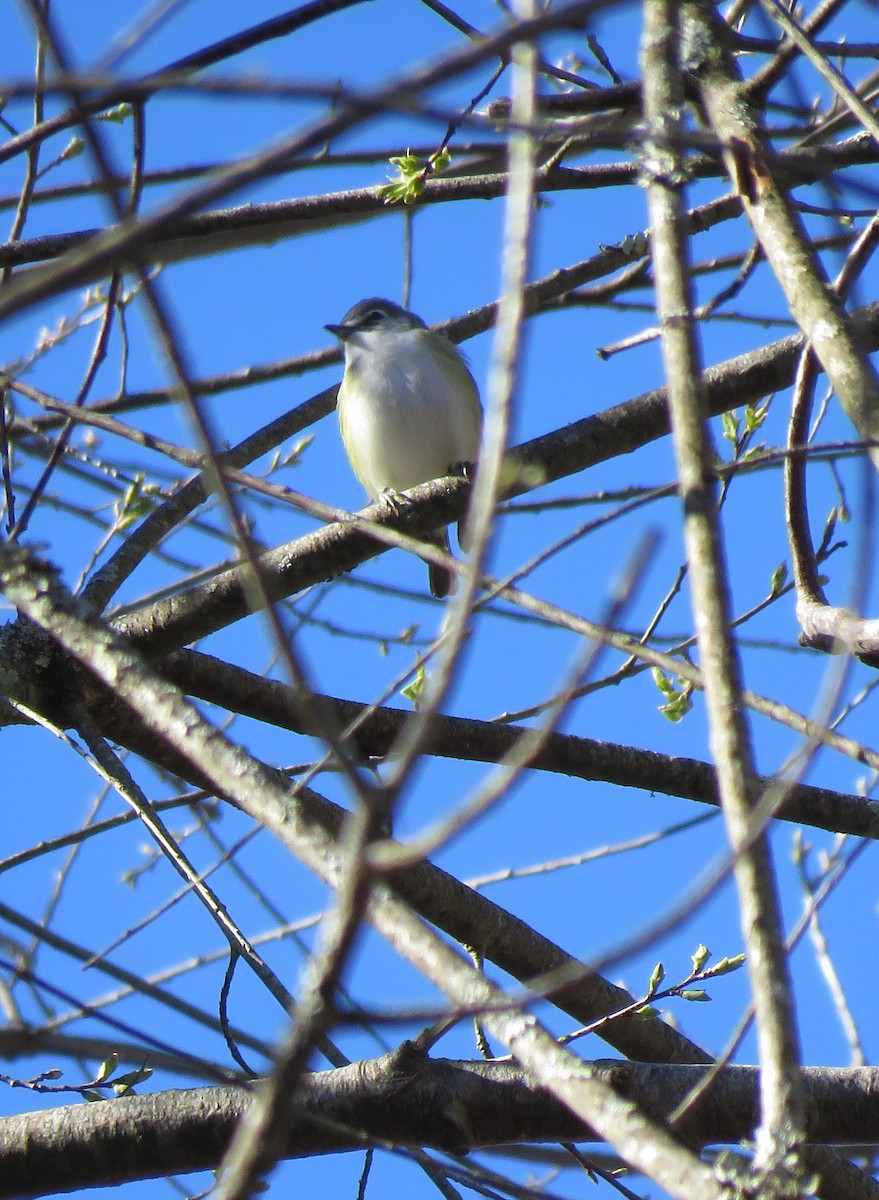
<point>408,408</point>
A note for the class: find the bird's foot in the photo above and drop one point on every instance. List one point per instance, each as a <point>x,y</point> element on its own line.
<point>394,500</point>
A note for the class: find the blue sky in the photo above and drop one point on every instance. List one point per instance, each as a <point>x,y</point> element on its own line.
<point>264,304</point>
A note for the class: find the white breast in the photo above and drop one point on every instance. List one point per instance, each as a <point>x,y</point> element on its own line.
<point>406,414</point>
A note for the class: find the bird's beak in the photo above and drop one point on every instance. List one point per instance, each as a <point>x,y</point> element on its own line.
<point>342,332</point>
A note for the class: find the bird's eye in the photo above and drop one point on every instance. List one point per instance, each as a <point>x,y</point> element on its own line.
<point>374,317</point>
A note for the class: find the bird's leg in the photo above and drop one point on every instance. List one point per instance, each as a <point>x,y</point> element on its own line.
<point>394,500</point>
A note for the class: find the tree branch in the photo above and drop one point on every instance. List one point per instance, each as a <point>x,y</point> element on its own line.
<point>401,1099</point>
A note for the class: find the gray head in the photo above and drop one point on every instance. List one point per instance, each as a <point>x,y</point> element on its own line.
<point>375,315</point>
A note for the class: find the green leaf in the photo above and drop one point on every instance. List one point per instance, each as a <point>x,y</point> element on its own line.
<point>118,114</point>
<point>755,415</point>
<point>415,690</point>
<point>695,994</point>
<point>407,163</point>
<point>727,965</point>
<point>662,682</point>
<point>294,454</point>
<point>131,1078</point>
<point>392,193</point>
<point>730,424</point>
<point>678,702</point>
<point>408,184</point>
<point>656,977</point>
<point>137,501</point>
<point>700,958</point>
<point>107,1067</point>
<point>73,149</point>
<point>778,579</point>
<point>646,1012</point>
<point>677,708</point>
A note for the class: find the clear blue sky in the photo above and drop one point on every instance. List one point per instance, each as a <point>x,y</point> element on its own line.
<point>260,305</point>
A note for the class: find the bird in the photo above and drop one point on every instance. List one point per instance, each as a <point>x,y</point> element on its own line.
<point>408,409</point>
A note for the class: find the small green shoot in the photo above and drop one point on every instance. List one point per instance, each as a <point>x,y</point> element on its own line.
<point>412,175</point>
<point>677,696</point>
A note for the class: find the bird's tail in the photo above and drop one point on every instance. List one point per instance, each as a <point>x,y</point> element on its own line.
<point>464,537</point>
<point>442,580</point>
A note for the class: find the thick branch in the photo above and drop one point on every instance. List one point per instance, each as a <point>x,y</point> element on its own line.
<point>402,1099</point>
<point>89,254</point>
<point>234,688</point>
